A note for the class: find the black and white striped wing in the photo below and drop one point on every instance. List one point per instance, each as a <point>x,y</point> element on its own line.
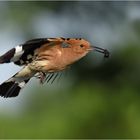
<point>23,54</point>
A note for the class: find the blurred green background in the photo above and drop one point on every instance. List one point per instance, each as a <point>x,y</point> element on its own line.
<point>96,97</point>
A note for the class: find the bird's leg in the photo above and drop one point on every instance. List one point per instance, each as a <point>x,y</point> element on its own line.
<point>41,76</point>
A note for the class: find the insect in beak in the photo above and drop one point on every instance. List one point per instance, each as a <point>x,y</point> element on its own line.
<point>101,50</point>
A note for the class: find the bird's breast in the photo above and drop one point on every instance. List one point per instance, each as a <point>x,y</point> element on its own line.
<point>57,58</point>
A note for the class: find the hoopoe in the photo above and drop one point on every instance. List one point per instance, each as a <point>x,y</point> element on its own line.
<point>41,57</point>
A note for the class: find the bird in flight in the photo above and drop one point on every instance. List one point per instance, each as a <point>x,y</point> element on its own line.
<point>43,58</point>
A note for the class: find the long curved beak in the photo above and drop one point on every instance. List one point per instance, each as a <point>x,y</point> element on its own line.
<point>101,50</point>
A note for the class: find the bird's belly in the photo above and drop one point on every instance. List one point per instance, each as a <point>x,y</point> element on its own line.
<point>47,66</point>
<point>54,67</point>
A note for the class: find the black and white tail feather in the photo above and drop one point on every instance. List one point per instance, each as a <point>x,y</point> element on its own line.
<point>12,87</point>
<point>20,55</point>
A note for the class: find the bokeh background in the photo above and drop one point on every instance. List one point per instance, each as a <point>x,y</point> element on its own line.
<point>96,97</point>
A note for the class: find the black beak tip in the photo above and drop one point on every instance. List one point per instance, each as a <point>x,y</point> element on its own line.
<point>106,54</point>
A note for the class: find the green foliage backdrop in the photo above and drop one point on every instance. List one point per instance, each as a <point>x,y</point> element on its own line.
<point>98,98</point>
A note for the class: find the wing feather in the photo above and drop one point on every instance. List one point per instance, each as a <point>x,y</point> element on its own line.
<point>24,53</point>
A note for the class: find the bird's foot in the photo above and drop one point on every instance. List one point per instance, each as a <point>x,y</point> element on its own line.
<point>41,76</point>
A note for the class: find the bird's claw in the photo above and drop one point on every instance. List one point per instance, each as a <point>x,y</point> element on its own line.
<point>41,76</point>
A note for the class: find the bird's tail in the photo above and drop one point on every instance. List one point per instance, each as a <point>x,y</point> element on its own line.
<point>12,87</point>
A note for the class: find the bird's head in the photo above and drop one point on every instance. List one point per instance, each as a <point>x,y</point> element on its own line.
<point>82,47</point>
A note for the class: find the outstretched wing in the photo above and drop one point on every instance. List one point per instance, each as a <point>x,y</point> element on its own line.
<point>24,53</point>
<point>27,50</point>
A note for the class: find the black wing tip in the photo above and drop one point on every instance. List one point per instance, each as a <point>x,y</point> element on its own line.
<point>5,58</point>
<point>1,61</point>
<point>9,89</point>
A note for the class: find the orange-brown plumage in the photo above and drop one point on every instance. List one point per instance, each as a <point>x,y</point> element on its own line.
<point>58,57</point>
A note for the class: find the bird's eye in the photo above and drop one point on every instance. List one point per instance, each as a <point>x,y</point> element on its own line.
<point>81,45</point>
